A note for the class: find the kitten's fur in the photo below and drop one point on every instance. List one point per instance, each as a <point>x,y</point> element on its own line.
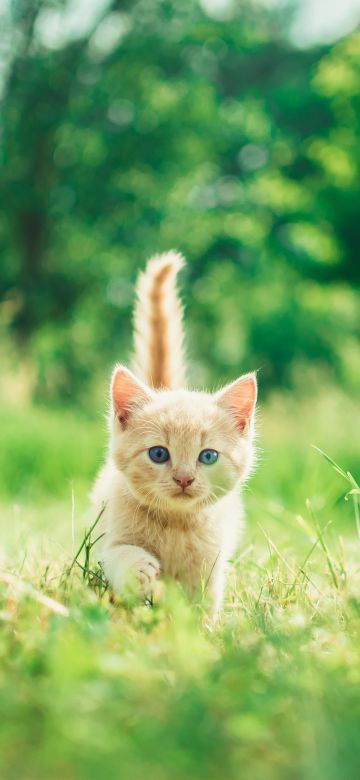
<point>152,526</point>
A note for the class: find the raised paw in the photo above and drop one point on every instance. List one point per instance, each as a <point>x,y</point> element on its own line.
<point>127,565</point>
<point>147,570</point>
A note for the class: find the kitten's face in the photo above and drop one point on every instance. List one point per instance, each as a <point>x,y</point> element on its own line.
<point>179,449</point>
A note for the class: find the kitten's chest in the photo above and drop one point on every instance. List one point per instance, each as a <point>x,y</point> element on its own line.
<point>187,554</point>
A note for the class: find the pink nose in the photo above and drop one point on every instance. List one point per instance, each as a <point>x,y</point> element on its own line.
<point>184,482</point>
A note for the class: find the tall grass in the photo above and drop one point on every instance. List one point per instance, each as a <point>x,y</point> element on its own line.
<point>89,689</point>
<point>45,451</point>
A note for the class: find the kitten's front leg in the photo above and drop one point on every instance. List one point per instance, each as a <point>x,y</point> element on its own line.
<point>126,563</point>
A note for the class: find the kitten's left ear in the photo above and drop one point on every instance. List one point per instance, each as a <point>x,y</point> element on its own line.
<point>239,398</point>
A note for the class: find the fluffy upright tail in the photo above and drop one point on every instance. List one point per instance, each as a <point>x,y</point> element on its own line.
<point>159,358</point>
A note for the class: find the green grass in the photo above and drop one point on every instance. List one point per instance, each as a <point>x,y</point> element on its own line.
<point>48,452</point>
<point>91,690</point>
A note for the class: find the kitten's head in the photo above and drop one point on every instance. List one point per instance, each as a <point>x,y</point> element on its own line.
<point>179,448</point>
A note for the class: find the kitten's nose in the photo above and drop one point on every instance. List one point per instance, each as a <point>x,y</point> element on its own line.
<point>184,481</point>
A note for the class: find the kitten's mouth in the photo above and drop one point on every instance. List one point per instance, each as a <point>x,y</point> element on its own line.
<point>183,494</point>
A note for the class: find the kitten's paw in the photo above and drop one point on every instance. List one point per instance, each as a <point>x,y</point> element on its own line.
<point>147,570</point>
<point>129,566</point>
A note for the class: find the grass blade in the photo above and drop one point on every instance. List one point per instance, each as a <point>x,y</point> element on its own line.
<point>323,544</point>
<point>86,538</point>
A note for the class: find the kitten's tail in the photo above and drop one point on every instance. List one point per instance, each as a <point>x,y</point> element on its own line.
<point>159,354</point>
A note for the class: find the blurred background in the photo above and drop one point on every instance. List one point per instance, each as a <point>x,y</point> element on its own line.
<point>227,129</point>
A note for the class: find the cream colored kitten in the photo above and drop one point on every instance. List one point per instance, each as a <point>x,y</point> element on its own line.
<point>177,458</point>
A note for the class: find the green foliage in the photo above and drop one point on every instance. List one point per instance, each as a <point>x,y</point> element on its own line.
<point>216,137</point>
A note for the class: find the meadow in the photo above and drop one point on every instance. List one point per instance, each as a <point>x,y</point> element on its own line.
<point>202,125</point>
<point>90,689</point>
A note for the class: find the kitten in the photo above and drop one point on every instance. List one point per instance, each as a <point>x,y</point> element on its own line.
<point>177,457</point>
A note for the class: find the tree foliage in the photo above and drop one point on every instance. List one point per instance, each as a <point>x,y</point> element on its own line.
<point>160,126</point>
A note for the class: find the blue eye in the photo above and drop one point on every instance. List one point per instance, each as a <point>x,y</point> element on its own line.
<point>208,457</point>
<point>159,454</point>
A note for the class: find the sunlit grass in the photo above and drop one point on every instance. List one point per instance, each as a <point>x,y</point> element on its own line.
<point>274,689</point>
<point>48,452</point>
<point>89,689</point>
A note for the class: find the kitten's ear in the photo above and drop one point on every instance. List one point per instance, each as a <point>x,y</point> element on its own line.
<point>239,398</point>
<point>127,392</point>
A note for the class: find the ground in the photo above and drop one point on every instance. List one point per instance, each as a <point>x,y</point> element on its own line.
<point>89,689</point>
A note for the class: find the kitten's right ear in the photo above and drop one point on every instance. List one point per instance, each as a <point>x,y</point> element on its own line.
<point>127,392</point>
